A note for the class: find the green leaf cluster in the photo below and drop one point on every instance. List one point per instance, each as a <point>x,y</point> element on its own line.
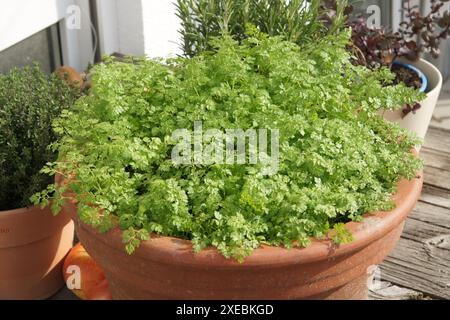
<point>298,21</point>
<point>338,158</point>
<point>29,102</point>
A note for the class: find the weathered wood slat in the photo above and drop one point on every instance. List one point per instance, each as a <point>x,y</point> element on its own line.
<point>420,264</point>
<point>437,177</point>
<point>432,214</point>
<point>388,291</point>
<point>435,196</point>
<point>435,159</point>
<point>414,265</point>
<point>438,139</point>
<point>423,232</point>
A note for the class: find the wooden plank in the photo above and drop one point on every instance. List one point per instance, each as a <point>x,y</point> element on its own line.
<point>421,259</point>
<point>389,291</point>
<point>435,196</point>
<point>437,177</point>
<point>423,232</point>
<point>420,263</point>
<point>432,214</point>
<point>435,159</point>
<point>419,267</point>
<point>438,139</point>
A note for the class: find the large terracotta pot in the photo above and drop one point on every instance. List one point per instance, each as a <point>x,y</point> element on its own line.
<point>419,121</point>
<point>33,244</point>
<point>167,268</point>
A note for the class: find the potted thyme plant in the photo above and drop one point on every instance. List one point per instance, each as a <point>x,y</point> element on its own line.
<point>163,226</point>
<point>33,243</point>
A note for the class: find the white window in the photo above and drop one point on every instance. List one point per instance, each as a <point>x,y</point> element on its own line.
<point>57,29</point>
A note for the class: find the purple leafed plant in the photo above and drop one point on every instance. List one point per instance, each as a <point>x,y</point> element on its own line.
<point>418,33</point>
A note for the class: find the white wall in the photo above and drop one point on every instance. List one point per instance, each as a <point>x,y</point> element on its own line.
<point>108,26</point>
<point>77,46</point>
<point>161,27</point>
<point>20,19</point>
<point>120,27</point>
<point>131,29</point>
<point>138,27</point>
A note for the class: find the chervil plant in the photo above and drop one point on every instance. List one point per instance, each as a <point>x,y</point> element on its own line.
<point>338,158</point>
<point>29,102</point>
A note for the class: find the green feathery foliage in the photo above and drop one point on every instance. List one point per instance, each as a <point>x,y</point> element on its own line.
<point>338,158</point>
<point>299,21</point>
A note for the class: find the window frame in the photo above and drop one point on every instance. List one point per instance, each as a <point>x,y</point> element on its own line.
<point>20,19</point>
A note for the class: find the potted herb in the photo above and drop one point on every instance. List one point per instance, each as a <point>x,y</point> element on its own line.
<point>163,229</point>
<point>301,21</point>
<point>33,243</point>
<point>400,52</point>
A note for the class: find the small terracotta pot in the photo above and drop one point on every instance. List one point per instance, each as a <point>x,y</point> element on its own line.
<point>70,75</point>
<point>33,245</point>
<point>167,268</point>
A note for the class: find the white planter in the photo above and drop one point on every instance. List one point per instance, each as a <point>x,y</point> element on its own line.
<point>419,121</point>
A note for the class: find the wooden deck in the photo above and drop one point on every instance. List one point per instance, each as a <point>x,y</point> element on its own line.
<point>419,266</point>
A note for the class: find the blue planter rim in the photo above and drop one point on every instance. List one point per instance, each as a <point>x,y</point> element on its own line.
<point>421,75</point>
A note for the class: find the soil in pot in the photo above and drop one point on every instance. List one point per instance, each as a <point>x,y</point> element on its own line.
<point>407,76</point>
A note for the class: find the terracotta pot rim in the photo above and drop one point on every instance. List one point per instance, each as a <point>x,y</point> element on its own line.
<point>173,250</point>
<point>29,225</point>
<point>22,210</point>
